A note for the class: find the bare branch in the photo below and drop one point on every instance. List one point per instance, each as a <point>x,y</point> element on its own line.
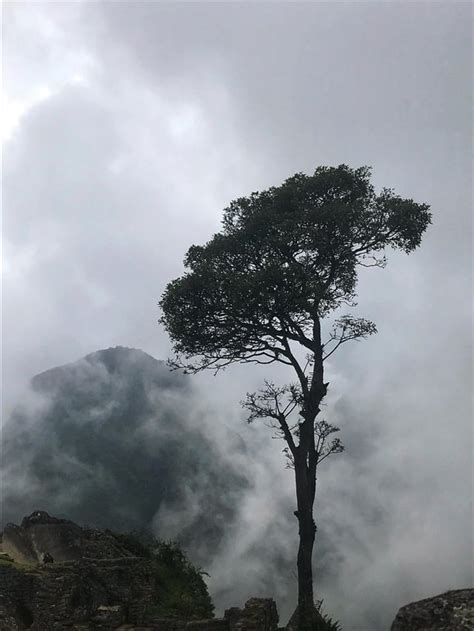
<point>276,403</point>
<point>348,328</point>
<point>324,449</point>
<point>374,261</point>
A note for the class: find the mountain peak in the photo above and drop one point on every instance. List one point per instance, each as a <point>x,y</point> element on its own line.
<point>128,436</point>
<point>116,357</point>
<point>121,352</point>
<point>120,361</point>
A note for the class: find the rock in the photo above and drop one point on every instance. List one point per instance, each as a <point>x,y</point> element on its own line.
<point>218,624</point>
<point>17,544</point>
<point>92,591</point>
<point>233,615</point>
<point>62,540</point>
<point>62,576</point>
<point>451,611</point>
<point>91,579</point>
<point>41,517</point>
<point>259,614</point>
<point>109,617</point>
<point>8,622</point>
<point>40,535</point>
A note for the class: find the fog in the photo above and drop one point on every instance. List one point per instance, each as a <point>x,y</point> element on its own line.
<point>128,127</point>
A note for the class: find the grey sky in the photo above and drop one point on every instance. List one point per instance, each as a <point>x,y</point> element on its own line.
<point>130,126</point>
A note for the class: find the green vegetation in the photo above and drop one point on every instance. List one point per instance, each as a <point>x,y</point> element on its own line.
<point>184,592</point>
<point>138,543</point>
<point>181,591</point>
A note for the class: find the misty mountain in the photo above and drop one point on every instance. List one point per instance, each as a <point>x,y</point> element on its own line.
<point>114,441</point>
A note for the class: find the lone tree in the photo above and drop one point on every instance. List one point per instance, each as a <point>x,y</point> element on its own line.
<point>258,292</point>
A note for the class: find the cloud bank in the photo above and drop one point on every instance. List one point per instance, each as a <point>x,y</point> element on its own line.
<point>131,126</point>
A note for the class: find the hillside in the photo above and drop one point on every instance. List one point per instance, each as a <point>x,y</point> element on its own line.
<point>56,575</point>
<point>114,441</point>
<point>53,574</point>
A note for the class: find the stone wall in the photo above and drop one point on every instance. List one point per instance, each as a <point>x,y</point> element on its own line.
<point>105,594</point>
<point>18,545</point>
<point>101,593</point>
<point>257,615</point>
<point>216,624</point>
<point>39,533</point>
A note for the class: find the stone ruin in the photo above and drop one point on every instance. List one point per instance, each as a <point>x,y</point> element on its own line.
<point>92,582</point>
<point>40,534</point>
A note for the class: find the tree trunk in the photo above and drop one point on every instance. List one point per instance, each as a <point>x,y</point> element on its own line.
<point>306,460</point>
<point>305,478</point>
<point>305,575</point>
<point>307,532</point>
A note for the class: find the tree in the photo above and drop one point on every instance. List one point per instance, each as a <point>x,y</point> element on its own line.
<point>259,291</point>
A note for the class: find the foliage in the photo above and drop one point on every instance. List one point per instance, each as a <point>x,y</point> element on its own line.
<point>181,590</point>
<point>140,544</point>
<point>320,619</point>
<point>185,593</point>
<point>330,624</point>
<point>284,257</point>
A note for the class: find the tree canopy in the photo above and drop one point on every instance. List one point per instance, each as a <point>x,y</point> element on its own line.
<point>285,257</point>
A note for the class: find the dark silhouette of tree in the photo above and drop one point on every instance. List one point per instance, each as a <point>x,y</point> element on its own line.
<point>258,292</point>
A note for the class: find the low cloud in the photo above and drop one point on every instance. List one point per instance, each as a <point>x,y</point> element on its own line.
<point>131,127</point>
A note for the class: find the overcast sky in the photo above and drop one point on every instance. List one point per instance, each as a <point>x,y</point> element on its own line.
<point>128,127</point>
